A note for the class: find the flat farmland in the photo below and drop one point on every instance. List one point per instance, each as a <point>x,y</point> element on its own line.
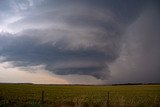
<point>34,95</point>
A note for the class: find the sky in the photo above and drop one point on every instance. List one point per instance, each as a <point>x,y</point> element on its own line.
<point>79,41</point>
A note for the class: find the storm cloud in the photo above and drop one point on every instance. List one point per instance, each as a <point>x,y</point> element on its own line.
<point>80,37</point>
<point>139,59</point>
<point>61,55</point>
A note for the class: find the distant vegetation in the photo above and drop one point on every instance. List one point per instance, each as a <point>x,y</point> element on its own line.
<point>30,95</point>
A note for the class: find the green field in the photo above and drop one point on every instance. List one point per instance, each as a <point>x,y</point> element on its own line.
<point>29,95</point>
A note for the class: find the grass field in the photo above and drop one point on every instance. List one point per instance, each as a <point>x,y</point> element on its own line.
<point>30,95</point>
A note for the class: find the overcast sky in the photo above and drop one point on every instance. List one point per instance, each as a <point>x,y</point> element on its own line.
<point>79,41</point>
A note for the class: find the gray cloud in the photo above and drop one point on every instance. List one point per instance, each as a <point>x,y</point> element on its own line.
<point>81,39</point>
<point>28,50</point>
<point>139,59</point>
<point>99,42</point>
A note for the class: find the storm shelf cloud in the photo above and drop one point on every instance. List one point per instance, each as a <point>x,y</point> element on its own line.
<point>105,40</point>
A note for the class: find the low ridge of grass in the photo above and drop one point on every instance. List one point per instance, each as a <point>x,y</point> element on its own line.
<point>79,96</point>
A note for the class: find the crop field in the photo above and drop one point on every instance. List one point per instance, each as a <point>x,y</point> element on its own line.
<point>31,95</point>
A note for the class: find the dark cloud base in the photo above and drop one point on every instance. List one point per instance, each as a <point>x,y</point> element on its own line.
<point>27,50</point>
